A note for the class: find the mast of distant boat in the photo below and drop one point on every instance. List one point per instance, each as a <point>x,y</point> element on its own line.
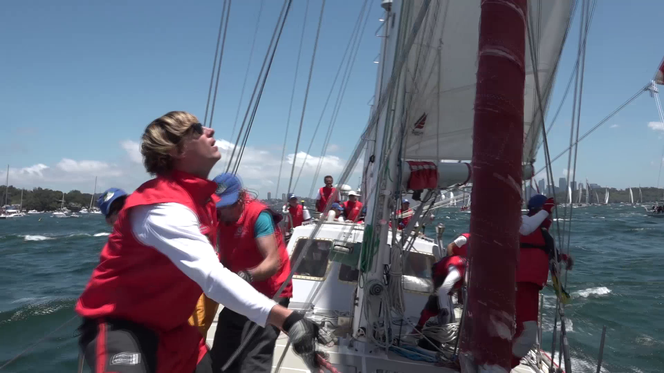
<point>7,186</point>
<point>93,195</point>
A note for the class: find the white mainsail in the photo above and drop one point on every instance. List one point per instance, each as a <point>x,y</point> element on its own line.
<point>631,196</point>
<point>606,196</point>
<point>569,194</point>
<point>442,70</point>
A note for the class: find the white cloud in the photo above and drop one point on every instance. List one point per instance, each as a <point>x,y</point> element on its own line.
<point>259,170</point>
<point>656,126</point>
<point>564,174</point>
<point>333,148</point>
<point>133,150</point>
<point>614,126</point>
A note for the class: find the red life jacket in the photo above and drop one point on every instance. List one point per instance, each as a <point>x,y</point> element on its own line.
<point>352,210</point>
<point>440,270</point>
<point>325,193</point>
<point>533,263</point>
<point>239,251</point>
<point>463,250</point>
<point>403,222</point>
<point>136,282</point>
<point>296,216</point>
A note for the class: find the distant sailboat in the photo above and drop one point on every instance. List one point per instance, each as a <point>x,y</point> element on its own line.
<point>640,195</point>
<point>631,196</point>
<point>606,196</point>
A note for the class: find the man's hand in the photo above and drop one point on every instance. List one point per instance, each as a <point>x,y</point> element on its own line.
<point>549,205</point>
<point>303,334</point>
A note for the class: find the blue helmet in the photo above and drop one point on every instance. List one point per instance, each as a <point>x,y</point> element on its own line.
<point>336,206</point>
<point>536,202</point>
<point>107,198</point>
<point>228,190</point>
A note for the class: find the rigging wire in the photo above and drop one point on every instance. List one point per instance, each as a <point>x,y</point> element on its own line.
<point>292,99</point>
<point>214,63</point>
<point>306,96</point>
<point>337,106</point>
<point>334,82</point>
<point>260,85</point>
<point>221,57</point>
<point>246,73</point>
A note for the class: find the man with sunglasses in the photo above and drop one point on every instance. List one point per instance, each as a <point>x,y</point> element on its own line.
<point>161,257</point>
<point>110,203</point>
<point>251,245</point>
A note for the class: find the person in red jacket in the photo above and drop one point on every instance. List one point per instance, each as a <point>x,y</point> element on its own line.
<point>459,246</point>
<point>352,207</point>
<point>251,245</point>
<point>447,275</point>
<point>326,193</point>
<point>537,249</point>
<point>160,258</point>
<point>405,209</point>
<point>295,213</point>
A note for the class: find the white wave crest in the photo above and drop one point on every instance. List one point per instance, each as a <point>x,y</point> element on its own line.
<point>601,290</point>
<point>102,234</point>
<point>79,235</point>
<point>29,237</point>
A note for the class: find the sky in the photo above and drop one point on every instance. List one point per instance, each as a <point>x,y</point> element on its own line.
<point>81,80</point>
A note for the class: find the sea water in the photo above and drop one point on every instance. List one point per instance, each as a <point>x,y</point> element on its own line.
<point>617,282</point>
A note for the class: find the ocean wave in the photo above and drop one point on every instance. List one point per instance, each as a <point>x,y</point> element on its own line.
<point>601,290</point>
<point>35,237</point>
<point>102,234</point>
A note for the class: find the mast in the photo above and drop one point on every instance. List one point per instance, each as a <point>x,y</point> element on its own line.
<point>93,195</point>
<point>495,217</point>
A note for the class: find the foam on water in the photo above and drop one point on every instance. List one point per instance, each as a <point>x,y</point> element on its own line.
<point>598,291</point>
<point>102,234</point>
<point>30,237</point>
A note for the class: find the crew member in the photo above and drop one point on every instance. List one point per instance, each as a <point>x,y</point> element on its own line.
<point>336,213</point>
<point>459,246</point>
<point>447,275</point>
<point>326,193</point>
<point>110,203</point>
<point>251,245</point>
<point>352,207</point>
<point>537,248</point>
<point>405,209</point>
<point>159,258</point>
<point>295,213</point>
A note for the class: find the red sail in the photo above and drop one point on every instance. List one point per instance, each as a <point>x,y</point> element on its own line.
<point>659,77</point>
<point>495,217</point>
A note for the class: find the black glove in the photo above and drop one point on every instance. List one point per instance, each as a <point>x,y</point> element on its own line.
<point>303,334</point>
<point>246,276</point>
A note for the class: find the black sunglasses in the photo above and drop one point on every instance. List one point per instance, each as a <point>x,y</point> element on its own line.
<point>196,128</point>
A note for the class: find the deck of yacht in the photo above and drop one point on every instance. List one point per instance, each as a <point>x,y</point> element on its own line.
<point>354,360</point>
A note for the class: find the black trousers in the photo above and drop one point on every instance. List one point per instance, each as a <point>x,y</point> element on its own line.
<point>232,328</point>
<point>122,346</point>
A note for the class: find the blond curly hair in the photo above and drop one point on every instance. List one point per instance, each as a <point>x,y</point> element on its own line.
<point>162,136</point>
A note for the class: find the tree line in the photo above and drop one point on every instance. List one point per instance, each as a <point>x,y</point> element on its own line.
<point>41,199</point>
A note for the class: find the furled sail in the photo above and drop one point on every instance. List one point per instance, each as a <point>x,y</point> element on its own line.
<point>441,76</point>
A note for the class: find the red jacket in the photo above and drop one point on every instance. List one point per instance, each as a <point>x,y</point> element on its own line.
<point>403,222</point>
<point>533,259</point>
<point>296,216</point>
<point>441,270</point>
<point>238,250</point>
<point>352,210</point>
<point>325,194</point>
<point>136,282</point>
<point>463,250</point>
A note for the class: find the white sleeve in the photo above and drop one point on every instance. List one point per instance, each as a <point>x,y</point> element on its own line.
<point>530,223</point>
<point>173,229</point>
<point>318,195</point>
<point>460,241</point>
<point>453,276</point>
